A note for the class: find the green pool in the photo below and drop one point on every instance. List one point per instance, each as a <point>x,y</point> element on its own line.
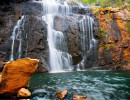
<point>97,85</point>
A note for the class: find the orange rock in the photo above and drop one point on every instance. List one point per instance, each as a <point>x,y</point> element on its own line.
<point>61,94</point>
<point>16,75</point>
<point>79,97</point>
<point>23,93</point>
<point>0,78</point>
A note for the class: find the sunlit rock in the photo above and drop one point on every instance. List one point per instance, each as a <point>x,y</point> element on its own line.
<point>16,75</point>
<point>0,78</point>
<point>79,97</point>
<point>23,93</point>
<point>61,94</point>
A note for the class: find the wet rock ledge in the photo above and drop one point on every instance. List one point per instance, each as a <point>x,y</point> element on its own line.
<point>15,78</point>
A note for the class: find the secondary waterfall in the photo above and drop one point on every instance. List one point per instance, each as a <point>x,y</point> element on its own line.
<point>88,42</point>
<point>17,36</point>
<point>59,60</point>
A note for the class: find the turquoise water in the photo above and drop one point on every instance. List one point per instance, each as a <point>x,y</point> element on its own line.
<point>97,85</point>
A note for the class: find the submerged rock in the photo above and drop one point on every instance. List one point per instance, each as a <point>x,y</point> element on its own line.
<point>16,75</point>
<point>23,93</point>
<point>79,97</point>
<point>61,94</point>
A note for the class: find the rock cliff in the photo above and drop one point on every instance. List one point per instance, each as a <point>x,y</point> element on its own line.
<point>34,33</point>
<point>114,37</point>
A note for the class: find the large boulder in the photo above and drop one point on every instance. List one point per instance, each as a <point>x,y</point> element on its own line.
<point>16,75</point>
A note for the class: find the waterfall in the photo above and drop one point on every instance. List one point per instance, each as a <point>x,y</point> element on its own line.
<point>61,57</point>
<point>17,35</point>
<point>87,40</point>
<point>59,60</point>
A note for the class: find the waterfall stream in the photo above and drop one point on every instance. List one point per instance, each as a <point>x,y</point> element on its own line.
<point>17,35</point>
<point>87,36</point>
<point>60,58</point>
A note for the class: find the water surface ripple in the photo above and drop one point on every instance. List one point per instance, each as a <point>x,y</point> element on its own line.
<point>97,85</point>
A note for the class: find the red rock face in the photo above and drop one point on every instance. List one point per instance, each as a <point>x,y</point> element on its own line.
<point>114,38</point>
<point>16,75</point>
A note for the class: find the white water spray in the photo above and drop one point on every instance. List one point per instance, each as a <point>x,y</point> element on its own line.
<point>59,61</point>
<point>17,35</point>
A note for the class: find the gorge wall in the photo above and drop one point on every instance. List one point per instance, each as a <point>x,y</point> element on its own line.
<point>114,37</point>
<point>34,36</point>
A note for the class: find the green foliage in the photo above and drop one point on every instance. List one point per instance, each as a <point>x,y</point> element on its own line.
<point>128,1</point>
<point>104,3</point>
<point>95,9</point>
<point>103,33</point>
<point>109,46</point>
<point>108,16</point>
<point>88,1</point>
<point>128,26</point>
<point>128,30</point>
<point>119,3</point>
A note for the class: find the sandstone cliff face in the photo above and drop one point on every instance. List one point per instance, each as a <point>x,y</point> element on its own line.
<point>114,37</point>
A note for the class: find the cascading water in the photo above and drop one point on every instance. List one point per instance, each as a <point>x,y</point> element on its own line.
<point>17,35</point>
<point>60,56</point>
<point>87,40</point>
<point>59,60</point>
